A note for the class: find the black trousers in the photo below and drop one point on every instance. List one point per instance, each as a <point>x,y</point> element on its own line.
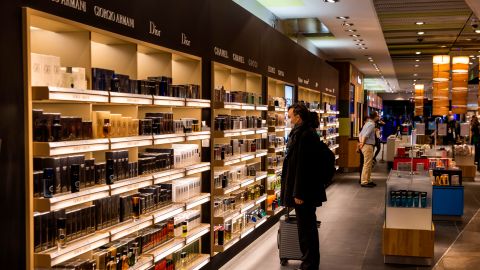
<point>308,236</point>
<point>378,146</point>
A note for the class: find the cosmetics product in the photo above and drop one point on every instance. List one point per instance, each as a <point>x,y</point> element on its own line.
<point>87,130</point>
<point>48,182</point>
<point>221,236</point>
<point>136,207</point>
<point>423,199</point>
<point>110,172</point>
<point>184,228</point>
<point>61,232</point>
<point>75,178</point>
<point>106,128</point>
<point>416,197</point>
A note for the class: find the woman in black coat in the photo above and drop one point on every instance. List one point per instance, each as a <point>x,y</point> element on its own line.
<point>302,185</point>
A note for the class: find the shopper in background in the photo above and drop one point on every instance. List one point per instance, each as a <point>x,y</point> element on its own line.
<point>303,180</point>
<point>475,128</point>
<point>378,140</point>
<point>366,145</point>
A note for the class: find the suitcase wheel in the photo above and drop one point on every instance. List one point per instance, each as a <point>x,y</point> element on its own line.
<point>283,262</point>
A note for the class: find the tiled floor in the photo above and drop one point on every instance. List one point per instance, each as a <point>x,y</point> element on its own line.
<point>351,232</point>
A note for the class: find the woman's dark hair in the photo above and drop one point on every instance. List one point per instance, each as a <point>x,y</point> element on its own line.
<point>373,114</point>
<point>310,118</point>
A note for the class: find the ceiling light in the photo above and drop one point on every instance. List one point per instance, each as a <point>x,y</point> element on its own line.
<point>363,48</point>
<point>358,40</point>
<point>350,30</point>
<point>420,33</point>
<point>331,1</point>
<point>471,63</point>
<point>477,31</point>
<point>347,24</point>
<point>417,60</point>
<point>416,65</point>
<point>468,39</point>
<point>443,46</point>
<point>355,35</point>
<point>419,23</point>
<point>415,75</point>
<point>343,17</point>
<point>360,44</point>
<point>418,52</point>
<point>472,56</point>
<point>371,60</point>
<point>369,57</point>
<point>415,80</point>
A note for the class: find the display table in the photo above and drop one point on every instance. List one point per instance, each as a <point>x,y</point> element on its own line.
<point>448,194</point>
<point>408,232</point>
<point>465,160</point>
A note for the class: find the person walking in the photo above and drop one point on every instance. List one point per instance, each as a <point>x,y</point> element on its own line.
<point>378,140</point>
<point>475,129</point>
<point>303,180</point>
<point>366,145</point>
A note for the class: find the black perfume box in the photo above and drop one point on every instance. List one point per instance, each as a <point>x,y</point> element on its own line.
<point>100,173</point>
<point>102,79</point>
<point>89,172</point>
<point>80,160</point>
<point>55,164</point>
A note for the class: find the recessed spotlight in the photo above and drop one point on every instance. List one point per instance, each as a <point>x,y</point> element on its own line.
<point>350,30</point>
<point>417,60</point>
<point>420,33</point>
<point>443,46</point>
<point>472,56</point>
<point>414,80</point>
<point>419,23</point>
<point>364,48</point>
<point>371,60</point>
<point>418,52</point>
<point>415,75</point>
<point>468,39</point>
<point>355,35</point>
<point>477,31</point>
<point>347,24</point>
<point>416,65</point>
<point>358,40</point>
<point>360,44</point>
<point>343,17</point>
<point>331,1</point>
<point>471,63</point>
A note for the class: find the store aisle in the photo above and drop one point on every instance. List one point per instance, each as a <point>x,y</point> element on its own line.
<point>351,231</point>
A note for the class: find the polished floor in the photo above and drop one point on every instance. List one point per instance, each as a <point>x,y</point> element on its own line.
<point>350,234</point>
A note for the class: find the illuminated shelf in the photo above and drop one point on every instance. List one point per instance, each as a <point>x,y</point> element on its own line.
<point>248,107</point>
<point>260,222</point>
<point>197,200</point>
<point>261,199</point>
<point>129,142</point>
<point>228,105</point>
<point>130,184</point>
<point>166,249</point>
<point>276,149</point>
<point>275,170</point>
<point>168,212</point>
<point>261,107</point>
<point>273,213</point>
<point>276,109</point>
<point>261,153</point>
<point>54,256</point>
<point>333,147</point>
<point>168,138</point>
<point>196,233</point>
<point>197,103</point>
<point>246,182</point>
<point>261,130</point>
<point>232,133</point>
<point>69,147</point>
<point>260,176</point>
<point>127,98</point>
<point>168,101</point>
<point>51,93</point>
<point>168,175</point>
<point>71,199</point>
<point>227,190</point>
<point>202,135</point>
<point>332,136</point>
<point>247,206</point>
<point>143,263</point>
<point>197,168</point>
<point>226,217</point>
<point>128,227</point>
<point>248,229</point>
<point>227,245</point>
<point>229,161</point>
<point>198,263</point>
<point>247,156</point>
<point>276,129</point>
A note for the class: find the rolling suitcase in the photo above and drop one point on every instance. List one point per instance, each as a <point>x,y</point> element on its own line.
<point>287,239</point>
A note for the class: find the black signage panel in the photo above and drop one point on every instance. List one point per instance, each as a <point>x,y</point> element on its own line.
<point>235,36</point>
<point>305,66</point>
<point>278,55</point>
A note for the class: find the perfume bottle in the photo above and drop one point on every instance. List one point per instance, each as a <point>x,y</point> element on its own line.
<point>56,130</point>
<point>110,172</point>
<point>107,128</point>
<point>75,178</point>
<point>125,260</point>
<point>118,261</point>
<point>131,257</point>
<point>184,228</point>
<point>136,207</point>
<point>61,232</point>
<point>48,182</point>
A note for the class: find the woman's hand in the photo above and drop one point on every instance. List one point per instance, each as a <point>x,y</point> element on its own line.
<point>298,201</point>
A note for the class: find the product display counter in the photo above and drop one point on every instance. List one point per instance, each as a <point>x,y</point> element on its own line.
<point>408,233</point>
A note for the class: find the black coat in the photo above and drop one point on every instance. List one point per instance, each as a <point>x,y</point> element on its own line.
<point>301,175</point>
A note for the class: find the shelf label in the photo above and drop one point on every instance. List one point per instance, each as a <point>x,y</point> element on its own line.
<point>153,30</point>
<point>221,52</point>
<point>271,70</point>
<point>75,4</point>
<point>185,40</point>
<point>113,16</point>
